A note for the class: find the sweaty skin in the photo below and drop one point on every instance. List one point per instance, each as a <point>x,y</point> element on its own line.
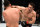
<point>19,7</point>
<point>11,16</point>
<point>26,15</point>
<point>30,17</point>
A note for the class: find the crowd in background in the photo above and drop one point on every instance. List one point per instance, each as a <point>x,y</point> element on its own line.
<point>38,17</point>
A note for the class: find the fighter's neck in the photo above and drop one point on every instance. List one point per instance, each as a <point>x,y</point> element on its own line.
<point>30,11</point>
<point>8,7</point>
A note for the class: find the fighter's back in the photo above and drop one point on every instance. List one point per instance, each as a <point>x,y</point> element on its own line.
<point>11,17</point>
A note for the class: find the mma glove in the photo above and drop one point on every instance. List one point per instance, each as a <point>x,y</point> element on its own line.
<point>24,23</point>
<point>19,22</point>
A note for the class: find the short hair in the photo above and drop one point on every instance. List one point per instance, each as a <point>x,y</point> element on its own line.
<point>32,4</point>
<point>6,3</point>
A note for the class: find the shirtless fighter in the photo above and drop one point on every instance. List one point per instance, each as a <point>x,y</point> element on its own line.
<point>28,16</point>
<point>20,8</point>
<point>11,15</point>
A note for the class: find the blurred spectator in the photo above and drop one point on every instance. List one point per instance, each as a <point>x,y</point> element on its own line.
<point>38,17</point>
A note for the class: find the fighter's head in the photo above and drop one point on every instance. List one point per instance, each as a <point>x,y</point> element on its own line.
<point>31,6</point>
<point>6,3</point>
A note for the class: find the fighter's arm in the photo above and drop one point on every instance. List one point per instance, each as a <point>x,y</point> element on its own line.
<point>33,19</point>
<point>15,6</point>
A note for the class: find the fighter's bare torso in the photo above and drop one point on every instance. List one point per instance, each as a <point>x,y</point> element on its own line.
<point>11,16</point>
<point>27,16</point>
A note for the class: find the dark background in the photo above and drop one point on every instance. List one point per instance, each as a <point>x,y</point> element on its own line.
<point>25,3</point>
<point>0,10</point>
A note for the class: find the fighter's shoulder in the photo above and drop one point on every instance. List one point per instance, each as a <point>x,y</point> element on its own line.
<point>3,12</point>
<point>25,8</point>
<point>16,9</point>
<point>34,12</point>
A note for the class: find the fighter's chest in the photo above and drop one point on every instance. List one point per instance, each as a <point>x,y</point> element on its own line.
<point>28,15</point>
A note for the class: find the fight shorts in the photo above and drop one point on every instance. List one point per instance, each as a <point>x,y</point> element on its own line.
<point>6,26</point>
<point>24,24</point>
<point>19,22</point>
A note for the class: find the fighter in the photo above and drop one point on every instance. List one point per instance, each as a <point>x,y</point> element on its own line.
<point>11,15</point>
<point>28,16</point>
